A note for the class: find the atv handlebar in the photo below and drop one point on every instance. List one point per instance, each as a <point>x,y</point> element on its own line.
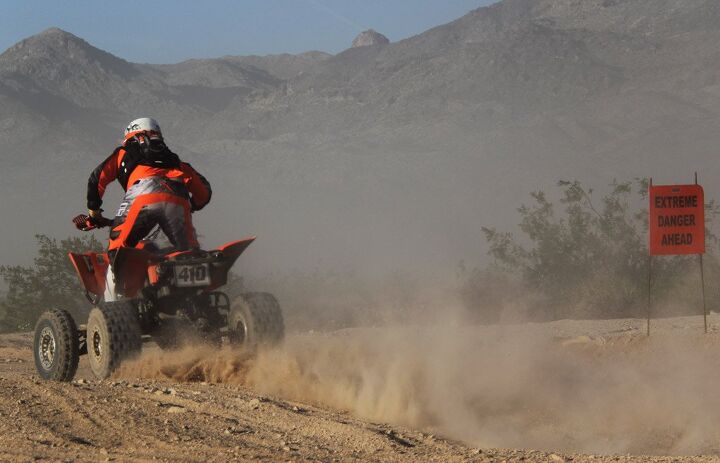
<point>85,223</point>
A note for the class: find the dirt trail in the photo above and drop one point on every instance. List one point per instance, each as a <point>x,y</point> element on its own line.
<point>559,387</point>
<point>149,420</point>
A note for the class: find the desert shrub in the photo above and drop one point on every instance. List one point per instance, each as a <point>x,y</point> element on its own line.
<point>577,259</point>
<point>50,282</point>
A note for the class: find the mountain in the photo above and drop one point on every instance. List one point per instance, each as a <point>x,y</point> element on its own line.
<point>370,38</point>
<point>59,63</point>
<point>386,156</point>
<point>284,66</point>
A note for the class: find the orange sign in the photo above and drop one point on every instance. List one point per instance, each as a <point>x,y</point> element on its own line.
<point>677,220</point>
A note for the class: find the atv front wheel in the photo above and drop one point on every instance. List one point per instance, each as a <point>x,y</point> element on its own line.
<point>255,320</point>
<point>113,334</point>
<point>56,346</point>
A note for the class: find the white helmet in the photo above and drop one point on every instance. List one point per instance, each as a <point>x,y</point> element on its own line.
<point>146,125</point>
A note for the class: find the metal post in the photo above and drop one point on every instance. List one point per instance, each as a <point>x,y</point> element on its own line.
<point>649,300</point>
<point>649,295</point>
<point>702,280</point>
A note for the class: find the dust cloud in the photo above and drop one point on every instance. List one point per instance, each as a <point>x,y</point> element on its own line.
<point>516,386</point>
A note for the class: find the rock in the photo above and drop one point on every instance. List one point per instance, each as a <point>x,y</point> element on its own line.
<point>370,38</point>
<point>175,409</point>
<point>254,404</point>
<point>557,458</point>
<point>578,340</point>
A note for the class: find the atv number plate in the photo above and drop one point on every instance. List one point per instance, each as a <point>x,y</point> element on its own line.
<point>192,275</point>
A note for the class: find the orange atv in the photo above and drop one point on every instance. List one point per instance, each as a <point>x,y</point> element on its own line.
<point>171,298</point>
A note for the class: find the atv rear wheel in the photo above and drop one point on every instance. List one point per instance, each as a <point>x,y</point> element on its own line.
<point>175,334</point>
<point>113,334</point>
<point>255,320</point>
<point>56,346</point>
<point>167,336</point>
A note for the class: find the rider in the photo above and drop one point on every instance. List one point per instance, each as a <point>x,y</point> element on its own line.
<point>160,189</point>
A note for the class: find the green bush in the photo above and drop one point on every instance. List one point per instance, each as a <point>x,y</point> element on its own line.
<point>580,260</point>
<point>51,282</point>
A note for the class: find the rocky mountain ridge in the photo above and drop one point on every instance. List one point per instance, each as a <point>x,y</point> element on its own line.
<point>417,143</point>
<point>369,38</point>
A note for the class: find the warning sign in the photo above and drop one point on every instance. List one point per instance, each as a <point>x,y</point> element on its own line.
<point>677,220</point>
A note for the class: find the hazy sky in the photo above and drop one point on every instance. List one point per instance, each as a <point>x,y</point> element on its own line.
<point>165,31</point>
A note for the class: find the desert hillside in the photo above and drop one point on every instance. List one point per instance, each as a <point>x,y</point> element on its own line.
<point>408,145</point>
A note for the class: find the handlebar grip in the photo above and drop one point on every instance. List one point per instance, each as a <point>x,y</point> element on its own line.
<point>81,222</point>
<point>84,223</point>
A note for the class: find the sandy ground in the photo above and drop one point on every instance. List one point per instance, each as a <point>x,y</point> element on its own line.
<point>328,397</point>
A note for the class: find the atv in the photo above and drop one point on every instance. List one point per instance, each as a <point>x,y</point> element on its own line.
<point>168,297</point>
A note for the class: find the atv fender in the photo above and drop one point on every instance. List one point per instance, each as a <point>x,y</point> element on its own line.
<point>230,252</point>
<point>92,269</point>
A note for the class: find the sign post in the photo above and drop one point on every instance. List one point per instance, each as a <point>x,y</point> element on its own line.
<point>649,301</point>
<point>676,222</point>
<point>702,283</point>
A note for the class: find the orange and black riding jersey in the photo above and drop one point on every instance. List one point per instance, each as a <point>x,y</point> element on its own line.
<point>128,165</point>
